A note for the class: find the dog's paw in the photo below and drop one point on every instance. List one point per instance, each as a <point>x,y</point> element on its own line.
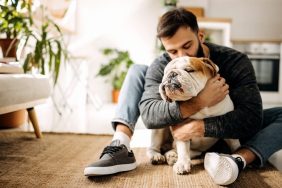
<point>171,157</point>
<point>182,167</point>
<point>157,158</point>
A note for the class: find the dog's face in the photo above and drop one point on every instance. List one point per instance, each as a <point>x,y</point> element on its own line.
<point>185,77</point>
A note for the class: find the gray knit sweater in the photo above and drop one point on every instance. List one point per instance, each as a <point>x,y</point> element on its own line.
<point>236,68</point>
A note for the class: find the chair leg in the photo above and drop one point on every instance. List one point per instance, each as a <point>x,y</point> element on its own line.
<point>33,118</point>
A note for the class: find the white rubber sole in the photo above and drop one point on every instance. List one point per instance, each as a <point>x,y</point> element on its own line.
<point>100,171</point>
<point>222,169</point>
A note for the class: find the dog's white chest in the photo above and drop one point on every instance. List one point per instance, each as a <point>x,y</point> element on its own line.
<point>226,105</point>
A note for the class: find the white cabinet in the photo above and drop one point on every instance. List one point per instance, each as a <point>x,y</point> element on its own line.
<point>218,29</point>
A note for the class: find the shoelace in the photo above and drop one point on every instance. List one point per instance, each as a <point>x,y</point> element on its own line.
<point>110,150</point>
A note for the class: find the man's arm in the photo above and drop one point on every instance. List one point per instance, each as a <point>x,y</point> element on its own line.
<point>157,113</point>
<point>246,119</point>
<point>214,91</point>
<point>241,123</point>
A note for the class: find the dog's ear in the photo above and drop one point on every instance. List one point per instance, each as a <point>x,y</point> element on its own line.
<point>212,66</point>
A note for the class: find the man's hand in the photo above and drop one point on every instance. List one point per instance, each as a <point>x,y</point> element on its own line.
<point>188,129</point>
<point>215,91</point>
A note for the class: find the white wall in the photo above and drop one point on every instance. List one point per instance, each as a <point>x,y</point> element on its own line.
<point>124,24</point>
<point>131,25</point>
<point>251,19</point>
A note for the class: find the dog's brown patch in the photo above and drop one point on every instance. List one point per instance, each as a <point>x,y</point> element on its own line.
<point>204,65</point>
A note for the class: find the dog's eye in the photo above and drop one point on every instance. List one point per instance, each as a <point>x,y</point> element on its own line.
<point>189,70</point>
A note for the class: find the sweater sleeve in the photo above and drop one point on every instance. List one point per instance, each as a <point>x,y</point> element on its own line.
<point>243,122</point>
<point>155,112</point>
<point>246,119</point>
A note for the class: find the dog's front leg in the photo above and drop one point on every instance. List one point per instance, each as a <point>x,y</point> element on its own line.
<point>183,163</point>
<point>154,151</point>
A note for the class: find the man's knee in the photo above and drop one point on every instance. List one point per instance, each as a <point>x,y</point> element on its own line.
<point>277,112</point>
<point>137,70</point>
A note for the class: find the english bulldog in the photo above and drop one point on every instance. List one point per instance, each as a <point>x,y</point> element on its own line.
<point>183,79</point>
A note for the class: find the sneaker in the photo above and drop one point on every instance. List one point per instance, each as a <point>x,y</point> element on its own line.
<point>114,158</point>
<point>223,169</point>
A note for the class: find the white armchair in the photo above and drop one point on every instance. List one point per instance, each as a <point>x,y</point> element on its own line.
<point>23,91</point>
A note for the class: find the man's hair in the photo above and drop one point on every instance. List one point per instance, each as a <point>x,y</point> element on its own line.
<point>172,20</point>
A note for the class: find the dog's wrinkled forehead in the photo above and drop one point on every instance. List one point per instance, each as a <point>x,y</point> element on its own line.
<point>177,63</point>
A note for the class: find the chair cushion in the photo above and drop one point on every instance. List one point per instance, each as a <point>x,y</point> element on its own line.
<point>19,91</point>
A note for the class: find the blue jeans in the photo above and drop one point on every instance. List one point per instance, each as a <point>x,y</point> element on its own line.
<point>263,144</point>
<point>268,140</point>
<point>127,111</point>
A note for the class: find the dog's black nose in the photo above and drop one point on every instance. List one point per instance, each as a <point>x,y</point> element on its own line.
<point>172,74</point>
<point>174,85</point>
<point>172,81</point>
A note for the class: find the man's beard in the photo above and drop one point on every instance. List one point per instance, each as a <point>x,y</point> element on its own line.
<point>200,52</point>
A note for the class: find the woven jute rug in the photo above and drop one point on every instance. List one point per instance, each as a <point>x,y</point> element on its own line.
<point>58,160</point>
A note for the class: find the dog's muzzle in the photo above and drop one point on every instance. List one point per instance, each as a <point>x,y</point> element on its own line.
<point>172,82</point>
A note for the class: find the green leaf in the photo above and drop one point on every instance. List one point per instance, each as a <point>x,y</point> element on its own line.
<point>57,61</point>
<point>48,48</point>
<point>26,65</point>
<point>117,66</point>
<point>16,22</point>
<point>51,55</point>
<point>42,66</point>
<point>107,51</point>
<point>105,70</point>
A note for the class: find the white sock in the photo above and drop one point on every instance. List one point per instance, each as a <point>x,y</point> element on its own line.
<point>244,161</point>
<point>123,138</point>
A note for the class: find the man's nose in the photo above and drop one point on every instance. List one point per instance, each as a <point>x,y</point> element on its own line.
<point>181,53</point>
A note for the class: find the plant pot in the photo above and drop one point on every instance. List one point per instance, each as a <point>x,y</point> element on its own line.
<point>9,47</point>
<point>115,94</point>
<point>13,119</point>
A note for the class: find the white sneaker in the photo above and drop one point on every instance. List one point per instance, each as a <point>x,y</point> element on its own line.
<point>223,169</point>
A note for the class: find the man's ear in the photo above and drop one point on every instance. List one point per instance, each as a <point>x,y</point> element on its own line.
<point>212,66</point>
<point>201,36</point>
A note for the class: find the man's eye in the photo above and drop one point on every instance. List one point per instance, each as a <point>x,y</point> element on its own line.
<point>187,47</point>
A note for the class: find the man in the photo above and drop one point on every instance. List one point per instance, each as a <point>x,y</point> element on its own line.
<point>179,33</point>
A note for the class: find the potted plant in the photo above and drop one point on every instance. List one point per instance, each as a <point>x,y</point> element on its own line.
<point>43,40</point>
<point>14,23</point>
<point>171,3</point>
<point>168,5</point>
<point>116,68</point>
<point>46,47</point>
<point>48,50</point>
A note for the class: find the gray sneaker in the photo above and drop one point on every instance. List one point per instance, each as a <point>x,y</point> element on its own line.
<point>114,158</point>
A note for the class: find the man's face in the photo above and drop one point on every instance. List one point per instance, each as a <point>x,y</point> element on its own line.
<point>184,42</point>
